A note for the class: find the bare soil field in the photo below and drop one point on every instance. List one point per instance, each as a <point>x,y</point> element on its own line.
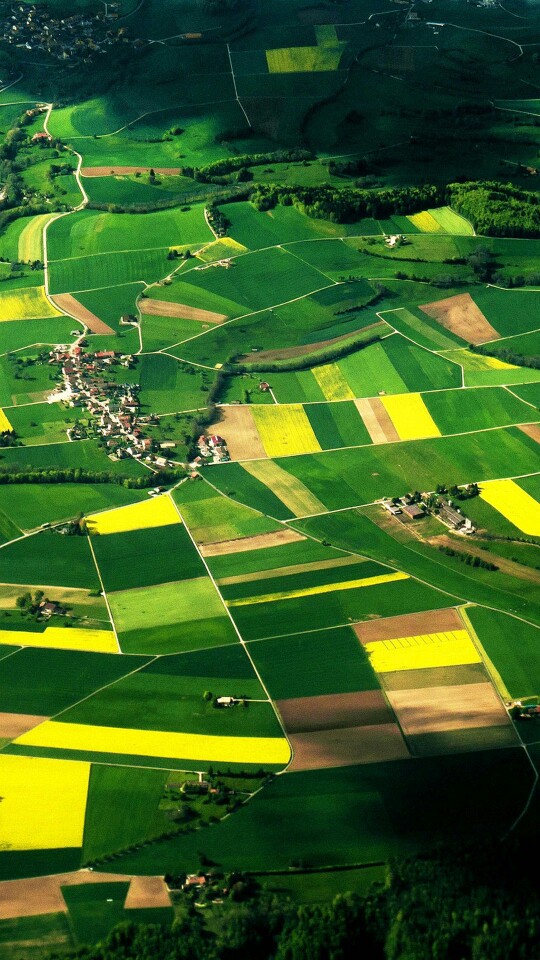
<point>13,725</point>
<point>461,316</point>
<point>377,421</point>
<point>532,430</point>
<point>347,747</point>
<point>409,625</point>
<point>164,308</point>
<point>335,711</point>
<point>435,709</point>
<point>237,427</point>
<point>258,542</point>
<point>125,171</point>
<point>71,306</point>
<point>147,892</point>
<point>469,740</point>
<point>38,895</point>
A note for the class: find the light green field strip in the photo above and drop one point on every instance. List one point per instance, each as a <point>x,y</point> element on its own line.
<point>305,59</point>
<point>332,382</point>
<point>31,238</point>
<point>165,604</point>
<point>292,492</point>
<point>515,504</point>
<point>321,588</point>
<point>26,303</point>
<point>451,222</point>
<point>156,743</point>
<point>494,673</point>
<point>418,326</point>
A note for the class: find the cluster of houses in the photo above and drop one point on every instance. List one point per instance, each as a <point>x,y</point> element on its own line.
<point>211,449</point>
<point>113,407</point>
<point>81,35</point>
<point>442,508</point>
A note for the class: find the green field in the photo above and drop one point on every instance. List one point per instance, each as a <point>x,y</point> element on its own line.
<point>141,558</point>
<point>94,909</point>
<point>29,505</point>
<point>518,662</point>
<point>66,561</point>
<point>212,517</point>
<point>337,424</point>
<point>456,411</point>
<point>32,938</point>
<point>171,618</point>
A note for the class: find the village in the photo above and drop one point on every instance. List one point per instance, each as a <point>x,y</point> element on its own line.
<point>64,38</point>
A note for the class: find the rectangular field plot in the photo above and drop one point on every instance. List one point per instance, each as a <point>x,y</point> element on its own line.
<point>422,651</point>
<point>517,506</point>
<point>337,424</point>
<point>237,426</point>
<point>285,430</point>
<point>410,417</point>
<point>332,382</point>
<point>43,803</point>
<point>140,558</point>
<point>26,303</point>
<point>207,749</point>
<point>513,649</point>
<point>45,682</point>
<point>456,411</point>
<point>294,495</point>
<point>29,505</point>
<point>157,512</point>
<point>213,518</point>
<point>314,663</point>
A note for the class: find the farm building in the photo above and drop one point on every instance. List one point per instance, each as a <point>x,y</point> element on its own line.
<point>414,511</point>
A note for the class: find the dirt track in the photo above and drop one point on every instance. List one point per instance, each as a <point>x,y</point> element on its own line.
<point>67,303</point>
<point>461,316</point>
<point>409,625</point>
<point>258,542</point>
<point>164,308</point>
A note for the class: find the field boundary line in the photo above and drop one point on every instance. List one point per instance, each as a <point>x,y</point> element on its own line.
<point>236,89</point>
<point>105,686</point>
<point>505,387</point>
<point>240,638</point>
<point>105,597</point>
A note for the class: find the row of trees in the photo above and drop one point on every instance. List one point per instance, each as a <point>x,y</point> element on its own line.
<point>346,206</point>
<point>467,903</point>
<point>12,474</point>
<point>220,168</point>
<point>507,355</point>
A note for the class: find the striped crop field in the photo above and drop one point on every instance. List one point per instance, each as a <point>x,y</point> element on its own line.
<point>305,59</point>
<point>427,650</point>
<point>332,382</point>
<point>410,416</point>
<point>515,504</point>
<point>158,512</point>
<point>5,425</point>
<point>43,803</point>
<point>31,238</point>
<point>26,303</point>
<point>63,638</point>
<point>155,743</point>
<point>425,222</point>
<point>291,491</point>
<point>451,222</point>
<point>320,588</point>
<point>285,430</point>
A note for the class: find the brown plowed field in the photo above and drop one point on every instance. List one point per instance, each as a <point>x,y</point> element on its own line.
<point>435,709</point>
<point>147,892</point>
<point>125,171</point>
<point>335,711</point>
<point>461,315</point>
<point>409,625</point>
<point>38,895</point>
<point>259,542</point>
<point>532,430</point>
<point>376,420</point>
<point>164,308</point>
<point>13,725</point>
<point>67,303</point>
<point>434,677</point>
<point>287,353</point>
<point>237,427</point>
<point>347,747</point>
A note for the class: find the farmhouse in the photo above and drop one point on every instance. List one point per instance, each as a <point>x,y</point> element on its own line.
<point>226,701</point>
<point>413,510</point>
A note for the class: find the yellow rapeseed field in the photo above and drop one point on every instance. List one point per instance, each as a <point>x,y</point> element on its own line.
<point>43,802</point>
<point>425,222</point>
<point>63,638</point>
<point>515,504</point>
<point>417,653</point>
<point>158,512</point>
<point>285,430</point>
<point>332,382</point>
<point>26,303</point>
<point>322,588</point>
<point>476,361</point>
<point>410,416</point>
<point>155,743</point>
<point>5,426</point>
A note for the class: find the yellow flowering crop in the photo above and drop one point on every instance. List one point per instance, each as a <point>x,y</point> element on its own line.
<point>285,430</point>
<point>410,416</point>
<point>448,649</point>
<point>157,512</point>
<point>515,504</point>
<point>43,802</point>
